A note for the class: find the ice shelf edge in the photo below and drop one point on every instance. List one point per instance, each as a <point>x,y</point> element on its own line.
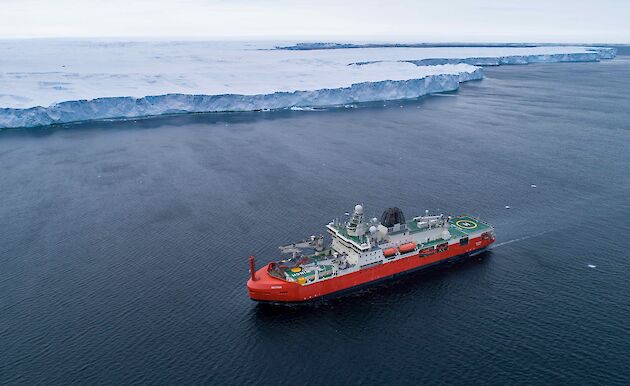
<point>130,107</point>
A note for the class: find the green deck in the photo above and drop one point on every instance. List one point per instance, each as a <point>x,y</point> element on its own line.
<point>306,274</point>
<point>460,226</point>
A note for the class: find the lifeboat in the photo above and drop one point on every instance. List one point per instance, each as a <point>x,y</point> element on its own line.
<point>389,252</point>
<point>407,247</point>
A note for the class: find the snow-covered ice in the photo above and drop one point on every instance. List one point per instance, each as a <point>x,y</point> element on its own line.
<point>56,81</point>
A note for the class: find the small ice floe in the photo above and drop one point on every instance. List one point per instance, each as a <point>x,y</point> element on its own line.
<point>592,266</point>
<point>533,186</point>
<point>507,207</point>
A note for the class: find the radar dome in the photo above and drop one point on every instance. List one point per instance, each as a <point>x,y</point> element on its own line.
<point>373,229</point>
<point>358,209</point>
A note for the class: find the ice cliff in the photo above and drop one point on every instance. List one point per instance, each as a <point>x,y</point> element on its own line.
<point>128,107</point>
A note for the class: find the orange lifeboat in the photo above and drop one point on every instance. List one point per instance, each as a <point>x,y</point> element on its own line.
<point>407,247</point>
<point>389,252</point>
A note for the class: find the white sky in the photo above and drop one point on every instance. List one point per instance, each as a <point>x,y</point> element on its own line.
<point>401,20</point>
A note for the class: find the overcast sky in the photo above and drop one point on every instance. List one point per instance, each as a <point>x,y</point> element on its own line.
<point>432,21</point>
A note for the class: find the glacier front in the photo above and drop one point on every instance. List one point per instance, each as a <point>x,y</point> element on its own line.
<point>45,82</point>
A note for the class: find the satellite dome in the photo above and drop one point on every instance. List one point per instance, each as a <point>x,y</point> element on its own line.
<point>358,209</point>
<point>373,229</point>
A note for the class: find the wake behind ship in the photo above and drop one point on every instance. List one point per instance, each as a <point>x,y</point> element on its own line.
<point>364,252</point>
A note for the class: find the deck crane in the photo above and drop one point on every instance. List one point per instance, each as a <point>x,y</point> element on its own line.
<point>315,242</point>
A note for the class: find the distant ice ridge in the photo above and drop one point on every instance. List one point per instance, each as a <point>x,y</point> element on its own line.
<point>49,82</point>
<point>334,46</point>
<point>604,52</point>
<point>595,55</point>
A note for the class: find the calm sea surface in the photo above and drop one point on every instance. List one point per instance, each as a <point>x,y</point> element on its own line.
<point>124,246</point>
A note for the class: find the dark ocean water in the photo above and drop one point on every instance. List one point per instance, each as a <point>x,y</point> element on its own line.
<point>124,246</point>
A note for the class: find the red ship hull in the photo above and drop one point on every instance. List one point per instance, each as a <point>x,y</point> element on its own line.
<point>270,289</point>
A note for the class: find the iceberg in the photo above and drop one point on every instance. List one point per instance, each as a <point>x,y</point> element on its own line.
<point>48,82</point>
